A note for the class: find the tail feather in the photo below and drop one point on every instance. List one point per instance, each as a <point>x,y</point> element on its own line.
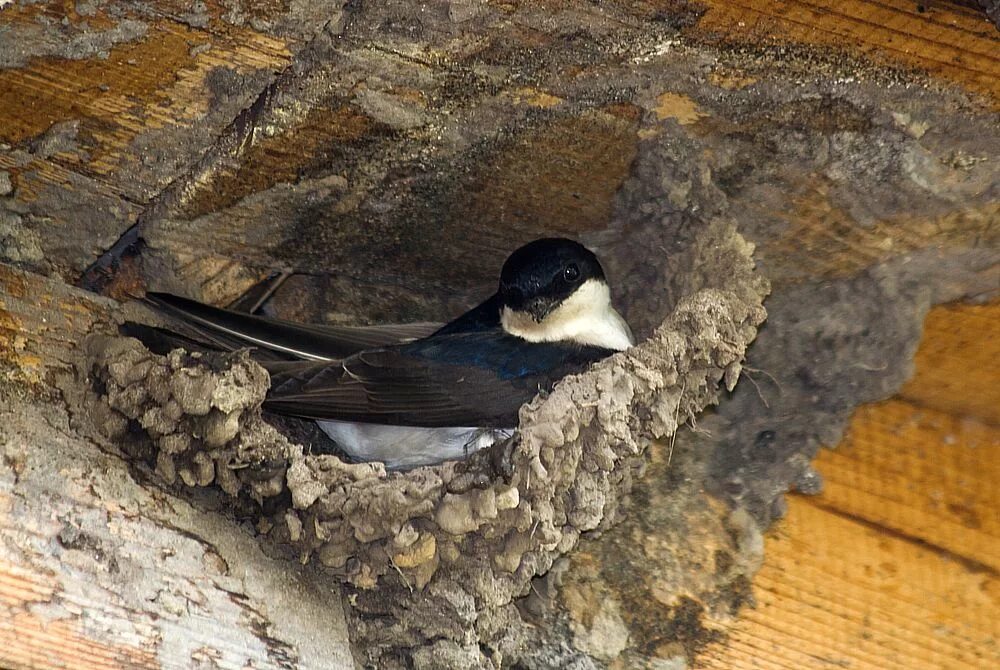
<point>275,339</point>
<point>163,340</point>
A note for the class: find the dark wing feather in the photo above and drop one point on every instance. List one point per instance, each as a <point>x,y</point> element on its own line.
<point>228,330</point>
<point>469,373</point>
<point>472,379</point>
<point>162,340</point>
<point>392,388</point>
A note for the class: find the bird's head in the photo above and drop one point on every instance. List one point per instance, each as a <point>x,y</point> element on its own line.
<point>554,289</point>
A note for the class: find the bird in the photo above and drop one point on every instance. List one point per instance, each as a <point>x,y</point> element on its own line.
<point>418,394</point>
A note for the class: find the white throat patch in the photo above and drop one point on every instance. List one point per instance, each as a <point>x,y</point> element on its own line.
<point>585,317</point>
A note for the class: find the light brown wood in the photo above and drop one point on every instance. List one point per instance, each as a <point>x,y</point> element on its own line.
<point>28,640</point>
<point>942,38</point>
<point>957,363</point>
<point>823,241</point>
<point>164,72</point>
<point>897,563</point>
<point>927,475</point>
<point>836,593</point>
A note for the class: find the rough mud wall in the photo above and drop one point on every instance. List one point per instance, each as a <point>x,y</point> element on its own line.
<point>631,594</point>
<point>438,554</point>
<point>841,331</point>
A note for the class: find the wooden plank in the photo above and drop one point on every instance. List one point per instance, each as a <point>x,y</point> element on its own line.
<point>957,361</point>
<point>922,473</point>
<point>958,44</point>
<point>103,112</point>
<point>821,240</point>
<point>896,564</point>
<point>42,323</point>
<point>156,82</point>
<point>838,594</point>
<point>898,536</point>
<point>27,640</point>
<point>911,466</point>
<point>99,568</point>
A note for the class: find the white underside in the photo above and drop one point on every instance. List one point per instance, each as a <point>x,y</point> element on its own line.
<point>401,447</point>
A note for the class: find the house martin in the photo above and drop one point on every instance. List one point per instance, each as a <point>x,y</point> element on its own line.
<point>418,394</point>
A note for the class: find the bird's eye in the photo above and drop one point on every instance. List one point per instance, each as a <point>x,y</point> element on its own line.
<point>571,272</point>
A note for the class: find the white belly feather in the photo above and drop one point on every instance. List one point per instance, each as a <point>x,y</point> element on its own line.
<point>408,446</point>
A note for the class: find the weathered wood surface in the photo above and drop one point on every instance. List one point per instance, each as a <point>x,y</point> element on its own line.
<point>951,40</point>
<point>895,564</point>
<point>142,121</point>
<point>99,569</point>
<point>344,140</point>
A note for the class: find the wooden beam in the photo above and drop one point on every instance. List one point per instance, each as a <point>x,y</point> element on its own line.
<point>947,40</point>
<point>895,564</point>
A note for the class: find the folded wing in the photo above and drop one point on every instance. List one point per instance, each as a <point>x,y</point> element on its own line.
<point>469,379</point>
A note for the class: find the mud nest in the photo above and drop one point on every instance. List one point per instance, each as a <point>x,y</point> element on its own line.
<point>434,557</point>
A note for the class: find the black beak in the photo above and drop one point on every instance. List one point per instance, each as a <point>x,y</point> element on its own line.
<point>539,308</point>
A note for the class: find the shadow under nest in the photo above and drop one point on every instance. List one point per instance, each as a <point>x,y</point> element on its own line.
<point>436,556</point>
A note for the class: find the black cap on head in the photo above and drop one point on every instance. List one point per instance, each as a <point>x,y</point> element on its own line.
<point>541,274</point>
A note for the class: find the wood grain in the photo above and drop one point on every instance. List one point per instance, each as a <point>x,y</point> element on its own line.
<point>101,570</point>
<point>894,566</point>
<point>897,563</point>
<point>141,86</point>
<point>91,134</point>
<point>821,240</point>
<point>955,43</point>
<point>27,640</point>
<point>957,362</point>
<point>835,593</point>
<point>927,475</point>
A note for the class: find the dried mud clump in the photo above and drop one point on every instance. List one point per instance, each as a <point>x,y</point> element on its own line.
<point>435,556</point>
<point>198,416</point>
